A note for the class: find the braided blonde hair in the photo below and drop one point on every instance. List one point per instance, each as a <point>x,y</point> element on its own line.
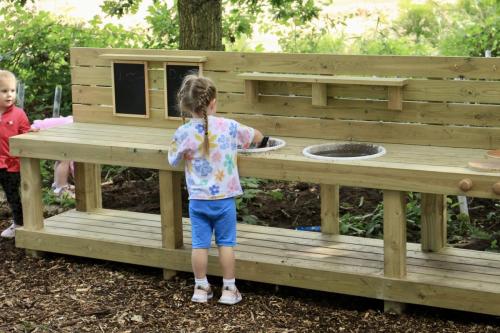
<point>194,97</point>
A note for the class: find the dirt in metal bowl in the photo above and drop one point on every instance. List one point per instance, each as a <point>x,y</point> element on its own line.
<point>344,151</point>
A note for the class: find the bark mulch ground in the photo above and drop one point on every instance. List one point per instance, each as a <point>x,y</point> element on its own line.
<point>68,294</point>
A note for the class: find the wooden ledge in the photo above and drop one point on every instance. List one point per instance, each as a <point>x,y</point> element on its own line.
<point>332,79</point>
<point>145,57</point>
<point>319,82</point>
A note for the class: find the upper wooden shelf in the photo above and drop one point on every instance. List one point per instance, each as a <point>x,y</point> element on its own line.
<point>334,79</point>
<point>145,57</point>
<point>319,82</point>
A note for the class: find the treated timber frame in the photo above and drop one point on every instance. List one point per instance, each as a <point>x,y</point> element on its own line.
<point>427,145</point>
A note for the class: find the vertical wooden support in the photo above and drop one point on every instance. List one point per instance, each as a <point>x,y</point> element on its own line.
<point>88,186</point>
<point>395,97</point>
<point>319,94</point>
<point>251,91</point>
<point>31,198</point>
<point>329,195</point>
<point>171,213</point>
<point>434,222</point>
<point>394,241</point>
<point>31,193</point>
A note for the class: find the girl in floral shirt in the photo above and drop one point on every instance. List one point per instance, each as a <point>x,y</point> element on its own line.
<point>208,146</point>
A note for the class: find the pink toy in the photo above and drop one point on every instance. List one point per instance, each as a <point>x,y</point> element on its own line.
<point>51,122</point>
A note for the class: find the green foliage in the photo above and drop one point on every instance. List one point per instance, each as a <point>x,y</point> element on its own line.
<point>474,28</point>
<point>163,29</point>
<point>35,46</point>
<point>421,20</point>
<point>119,8</point>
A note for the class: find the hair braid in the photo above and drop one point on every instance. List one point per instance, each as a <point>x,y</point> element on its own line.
<point>206,139</point>
<point>194,96</point>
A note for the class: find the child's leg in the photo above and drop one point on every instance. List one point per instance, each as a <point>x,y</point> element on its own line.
<point>61,173</point>
<point>227,261</point>
<point>201,235</point>
<point>10,182</point>
<point>199,260</point>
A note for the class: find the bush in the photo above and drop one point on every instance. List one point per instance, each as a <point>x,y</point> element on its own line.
<point>35,46</point>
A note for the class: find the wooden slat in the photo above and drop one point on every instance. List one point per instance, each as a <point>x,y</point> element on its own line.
<point>402,66</point>
<point>138,57</point>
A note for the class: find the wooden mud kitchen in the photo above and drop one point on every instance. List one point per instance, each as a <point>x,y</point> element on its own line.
<point>434,118</point>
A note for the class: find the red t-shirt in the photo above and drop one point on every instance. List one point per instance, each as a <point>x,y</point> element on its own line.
<point>12,122</point>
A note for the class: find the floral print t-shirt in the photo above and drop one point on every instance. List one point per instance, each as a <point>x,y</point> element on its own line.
<point>214,176</point>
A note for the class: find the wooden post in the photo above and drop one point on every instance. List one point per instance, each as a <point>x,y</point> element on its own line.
<point>31,197</point>
<point>251,91</point>
<point>394,241</point>
<point>434,222</point>
<point>319,94</point>
<point>171,213</point>
<point>329,195</point>
<point>88,186</point>
<point>395,97</point>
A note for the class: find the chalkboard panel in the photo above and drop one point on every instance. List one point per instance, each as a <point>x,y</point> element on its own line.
<point>174,74</point>
<point>130,89</point>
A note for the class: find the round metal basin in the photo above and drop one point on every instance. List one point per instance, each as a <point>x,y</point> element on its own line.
<point>343,151</point>
<point>272,144</point>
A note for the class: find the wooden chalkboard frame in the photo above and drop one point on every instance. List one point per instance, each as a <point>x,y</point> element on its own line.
<point>176,63</point>
<point>146,88</point>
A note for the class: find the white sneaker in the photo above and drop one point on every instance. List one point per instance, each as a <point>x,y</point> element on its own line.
<point>202,294</point>
<point>10,232</point>
<point>230,296</point>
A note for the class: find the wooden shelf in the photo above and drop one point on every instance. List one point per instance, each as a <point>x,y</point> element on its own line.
<point>141,57</point>
<point>319,88</point>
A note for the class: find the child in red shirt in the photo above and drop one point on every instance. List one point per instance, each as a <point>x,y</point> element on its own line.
<point>13,121</point>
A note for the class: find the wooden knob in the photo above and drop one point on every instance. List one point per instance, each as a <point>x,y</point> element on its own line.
<point>465,184</point>
<point>496,188</point>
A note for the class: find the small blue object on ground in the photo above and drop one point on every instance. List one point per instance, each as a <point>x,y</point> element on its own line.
<point>309,228</point>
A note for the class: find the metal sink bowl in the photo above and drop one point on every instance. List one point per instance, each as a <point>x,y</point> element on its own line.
<point>343,151</point>
<point>272,144</point>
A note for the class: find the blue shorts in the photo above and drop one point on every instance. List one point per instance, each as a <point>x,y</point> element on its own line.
<point>208,216</point>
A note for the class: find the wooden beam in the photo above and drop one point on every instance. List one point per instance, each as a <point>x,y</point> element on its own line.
<point>394,242</point>
<point>88,186</point>
<point>152,57</point>
<point>395,97</point>
<point>319,94</point>
<point>433,222</point>
<point>329,195</point>
<point>394,234</point>
<point>31,193</point>
<point>171,213</point>
<point>251,91</point>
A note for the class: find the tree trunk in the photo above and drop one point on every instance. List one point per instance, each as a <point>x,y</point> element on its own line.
<point>200,23</point>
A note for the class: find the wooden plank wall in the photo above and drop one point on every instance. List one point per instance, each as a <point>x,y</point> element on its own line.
<point>438,108</point>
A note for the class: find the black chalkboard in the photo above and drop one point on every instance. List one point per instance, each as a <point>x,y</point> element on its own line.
<point>174,76</point>
<point>130,90</point>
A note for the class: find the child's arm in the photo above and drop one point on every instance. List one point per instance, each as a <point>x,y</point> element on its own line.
<point>257,137</point>
<point>24,124</point>
<point>176,150</point>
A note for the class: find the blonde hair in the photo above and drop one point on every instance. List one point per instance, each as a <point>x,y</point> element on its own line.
<point>4,74</point>
<point>194,97</point>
